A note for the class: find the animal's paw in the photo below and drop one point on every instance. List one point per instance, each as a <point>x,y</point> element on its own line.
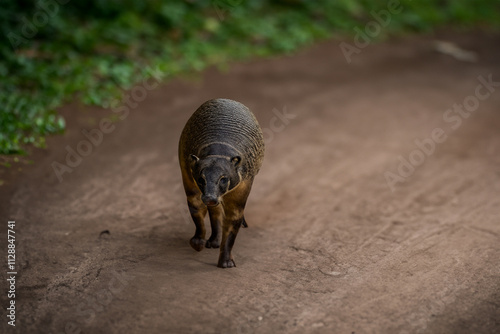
<point>197,243</point>
<point>226,263</point>
<point>212,243</point>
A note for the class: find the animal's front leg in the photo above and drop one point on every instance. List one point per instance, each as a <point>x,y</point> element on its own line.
<point>198,212</point>
<point>234,217</point>
<point>216,219</point>
<point>230,230</point>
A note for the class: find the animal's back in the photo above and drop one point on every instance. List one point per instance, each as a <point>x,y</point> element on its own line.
<point>230,123</point>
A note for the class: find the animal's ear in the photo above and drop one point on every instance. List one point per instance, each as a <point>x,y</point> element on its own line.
<point>194,159</point>
<point>236,160</point>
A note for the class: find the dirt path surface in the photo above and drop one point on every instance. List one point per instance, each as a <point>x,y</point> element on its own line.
<point>330,247</point>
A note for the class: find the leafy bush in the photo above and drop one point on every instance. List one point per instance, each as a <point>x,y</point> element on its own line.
<point>52,51</point>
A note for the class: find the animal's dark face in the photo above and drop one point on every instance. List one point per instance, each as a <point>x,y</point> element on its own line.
<point>215,176</point>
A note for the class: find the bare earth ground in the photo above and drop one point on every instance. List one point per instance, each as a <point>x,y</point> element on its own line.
<point>330,248</point>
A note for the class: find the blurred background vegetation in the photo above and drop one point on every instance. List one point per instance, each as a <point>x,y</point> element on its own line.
<point>54,51</point>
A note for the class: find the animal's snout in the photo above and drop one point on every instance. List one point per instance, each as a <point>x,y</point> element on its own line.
<point>210,201</point>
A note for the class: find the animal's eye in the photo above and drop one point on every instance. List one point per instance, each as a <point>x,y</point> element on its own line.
<point>223,181</point>
<point>201,181</point>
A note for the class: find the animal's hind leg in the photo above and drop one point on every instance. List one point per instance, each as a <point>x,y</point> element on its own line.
<point>216,217</point>
<point>198,212</point>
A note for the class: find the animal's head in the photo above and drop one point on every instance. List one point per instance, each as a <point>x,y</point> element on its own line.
<point>215,176</point>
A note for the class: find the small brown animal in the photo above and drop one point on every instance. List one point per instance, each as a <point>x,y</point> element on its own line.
<point>220,151</point>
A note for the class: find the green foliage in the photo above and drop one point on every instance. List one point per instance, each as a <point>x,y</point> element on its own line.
<point>93,50</point>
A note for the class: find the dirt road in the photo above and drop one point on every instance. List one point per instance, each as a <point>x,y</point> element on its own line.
<point>377,210</point>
